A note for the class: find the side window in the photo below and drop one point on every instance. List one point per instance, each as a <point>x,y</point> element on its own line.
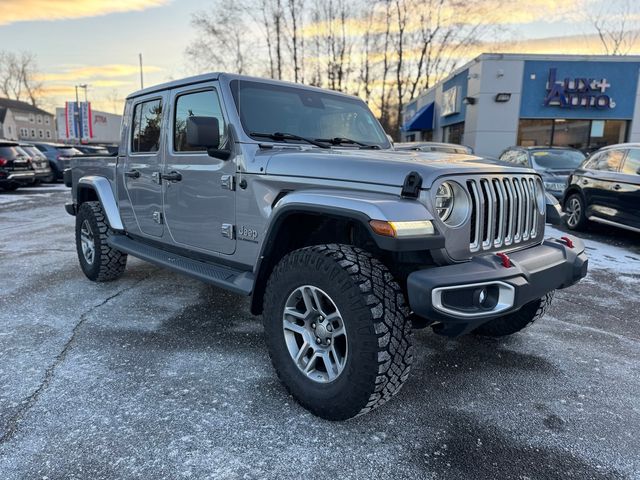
<point>145,127</point>
<point>607,161</point>
<point>198,104</point>
<point>632,162</point>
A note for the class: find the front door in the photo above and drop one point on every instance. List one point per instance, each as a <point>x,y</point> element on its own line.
<point>199,197</point>
<point>598,180</point>
<point>143,164</point>
<point>628,189</point>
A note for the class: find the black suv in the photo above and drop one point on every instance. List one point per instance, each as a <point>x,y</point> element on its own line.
<point>554,164</point>
<point>15,168</point>
<point>606,189</point>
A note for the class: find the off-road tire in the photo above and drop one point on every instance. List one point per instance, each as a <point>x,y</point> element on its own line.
<point>582,218</point>
<point>375,316</point>
<point>108,263</point>
<point>516,321</point>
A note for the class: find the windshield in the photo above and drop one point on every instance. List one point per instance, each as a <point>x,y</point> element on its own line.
<point>32,151</point>
<point>558,159</point>
<point>268,108</point>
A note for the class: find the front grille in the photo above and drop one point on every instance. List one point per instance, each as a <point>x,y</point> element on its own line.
<point>504,211</point>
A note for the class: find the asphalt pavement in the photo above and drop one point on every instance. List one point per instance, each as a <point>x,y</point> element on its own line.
<point>160,376</point>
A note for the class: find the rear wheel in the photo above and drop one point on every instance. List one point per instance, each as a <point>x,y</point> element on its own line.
<point>98,260</point>
<point>516,321</point>
<point>337,330</point>
<point>575,209</point>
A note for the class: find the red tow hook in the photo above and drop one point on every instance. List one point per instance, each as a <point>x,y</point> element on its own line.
<point>506,261</point>
<point>568,242</point>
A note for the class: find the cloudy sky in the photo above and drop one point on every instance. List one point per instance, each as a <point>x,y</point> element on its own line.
<point>97,42</point>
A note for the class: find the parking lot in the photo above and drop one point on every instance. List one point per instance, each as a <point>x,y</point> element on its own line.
<point>160,376</point>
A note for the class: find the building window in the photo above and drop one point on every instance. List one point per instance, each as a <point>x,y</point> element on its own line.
<point>32,118</point>
<point>33,133</point>
<point>40,133</point>
<point>39,119</point>
<point>454,133</point>
<point>534,133</point>
<point>48,133</point>
<point>586,135</point>
<point>46,120</point>
<point>9,129</point>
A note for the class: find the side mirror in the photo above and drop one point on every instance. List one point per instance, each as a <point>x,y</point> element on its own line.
<point>203,132</point>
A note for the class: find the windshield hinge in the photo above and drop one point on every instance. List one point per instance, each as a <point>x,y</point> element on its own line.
<point>412,185</point>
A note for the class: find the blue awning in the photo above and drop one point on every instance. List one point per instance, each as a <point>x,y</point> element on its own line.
<point>422,120</point>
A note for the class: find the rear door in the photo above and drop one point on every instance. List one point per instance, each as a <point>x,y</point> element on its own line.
<point>143,163</point>
<point>628,189</point>
<point>200,207</point>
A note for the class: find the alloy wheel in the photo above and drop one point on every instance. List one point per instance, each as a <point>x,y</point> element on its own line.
<point>574,209</point>
<point>314,333</point>
<point>87,242</point>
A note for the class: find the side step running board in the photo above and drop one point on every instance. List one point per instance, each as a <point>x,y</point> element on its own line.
<point>221,276</point>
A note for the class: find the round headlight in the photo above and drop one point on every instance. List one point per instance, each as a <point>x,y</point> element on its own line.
<point>444,201</point>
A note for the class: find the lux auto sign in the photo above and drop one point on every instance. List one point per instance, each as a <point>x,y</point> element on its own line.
<point>579,92</point>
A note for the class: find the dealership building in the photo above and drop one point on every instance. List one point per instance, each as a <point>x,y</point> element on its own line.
<point>499,100</point>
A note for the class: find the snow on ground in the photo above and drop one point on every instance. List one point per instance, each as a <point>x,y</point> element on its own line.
<point>603,256</point>
<point>30,193</point>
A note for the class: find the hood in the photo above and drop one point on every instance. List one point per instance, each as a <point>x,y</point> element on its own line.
<point>556,174</point>
<point>383,167</point>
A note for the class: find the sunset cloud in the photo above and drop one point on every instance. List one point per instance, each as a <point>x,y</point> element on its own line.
<point>12,11</point>
<point>90,72</point>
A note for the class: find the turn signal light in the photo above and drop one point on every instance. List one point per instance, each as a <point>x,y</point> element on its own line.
<point>402,229</point>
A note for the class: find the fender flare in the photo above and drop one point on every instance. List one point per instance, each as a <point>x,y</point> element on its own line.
<point>359,206</point>
<point>103,190</point>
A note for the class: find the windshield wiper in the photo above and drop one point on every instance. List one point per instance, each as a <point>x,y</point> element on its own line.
<point>280,136</point>
<point>341,140</point>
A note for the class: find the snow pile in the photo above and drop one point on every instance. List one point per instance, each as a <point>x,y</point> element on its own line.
<point>603,256</point>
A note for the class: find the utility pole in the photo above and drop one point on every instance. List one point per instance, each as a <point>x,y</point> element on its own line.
<point>141,79</point>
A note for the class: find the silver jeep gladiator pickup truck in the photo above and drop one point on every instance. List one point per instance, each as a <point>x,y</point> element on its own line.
<point>294,196</point>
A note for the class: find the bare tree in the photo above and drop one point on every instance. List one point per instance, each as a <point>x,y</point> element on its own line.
<point>617,25</point>
<point>19,77</point>
<point>221,43</point>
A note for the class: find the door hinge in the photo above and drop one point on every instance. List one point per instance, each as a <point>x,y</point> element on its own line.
<point>157,217</point>
<point>228,231</point>
<point>156,177</point>
<point>228,182</point>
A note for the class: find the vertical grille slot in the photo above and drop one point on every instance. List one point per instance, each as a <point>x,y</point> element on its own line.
<point>504,211</point>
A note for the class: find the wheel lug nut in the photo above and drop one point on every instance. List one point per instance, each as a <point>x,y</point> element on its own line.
<point>313,325</point>
<point>328,341</point>
<point>329,328</point>
<point>318,340</point>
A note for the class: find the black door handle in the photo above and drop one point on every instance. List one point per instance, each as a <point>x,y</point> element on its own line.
<point>172,176</point>
<point>132,174</point>
<point>617,186</point>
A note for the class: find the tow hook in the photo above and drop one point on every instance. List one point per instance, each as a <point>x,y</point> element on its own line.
<point>567,241</point>
<point>506,261</point>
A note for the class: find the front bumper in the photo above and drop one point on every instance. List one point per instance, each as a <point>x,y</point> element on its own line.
<point>535,271</point>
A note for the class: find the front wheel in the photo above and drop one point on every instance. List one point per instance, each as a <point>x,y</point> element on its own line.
<point>337,330</point>
<point>516,321</point>
<point>575,209</point>
<point>98,260</point>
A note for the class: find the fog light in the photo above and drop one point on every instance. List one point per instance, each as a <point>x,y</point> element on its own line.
<point>485,297</point>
